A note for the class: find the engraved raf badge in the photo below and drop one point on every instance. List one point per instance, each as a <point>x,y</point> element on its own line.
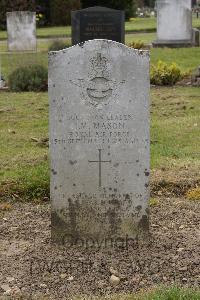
<point>99,87</point>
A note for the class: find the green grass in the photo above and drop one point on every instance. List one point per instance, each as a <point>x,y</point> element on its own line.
<point>62,31</point>
<point>186,58</point>
<point>146,38</point>
<point>42,44</point>
<point>141,24</point>
<point>10,61</point>
<point>175,113</point>
<point>23,160</point>
<point>172,293</point>
<point>135,25</point>
<point>149,24</point>
<point>175,127</point>
<point>169,294</point>
<point>46,32</point>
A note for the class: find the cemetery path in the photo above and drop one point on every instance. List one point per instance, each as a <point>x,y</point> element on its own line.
<point>32,266</point>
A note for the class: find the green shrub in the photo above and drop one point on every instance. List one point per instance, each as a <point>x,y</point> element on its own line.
<point>14,5</point>
<point>58,45</point>
<point>136,45</point>
<point>60,11</point>
<point>129,6</point>
<point>29,78</point>
<point>164,74</point>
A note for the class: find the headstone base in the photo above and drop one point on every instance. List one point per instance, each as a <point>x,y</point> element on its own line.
<point>172,43</point>
<point>62,234</point>
<point>194,42</point>
<point>3,89</point>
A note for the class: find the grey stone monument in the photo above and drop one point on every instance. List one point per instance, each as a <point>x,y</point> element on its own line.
<point>196,37</point>
<point>98,23</point>
<point>21,29</point>
<point>174,23</point>
<point>99,141</point>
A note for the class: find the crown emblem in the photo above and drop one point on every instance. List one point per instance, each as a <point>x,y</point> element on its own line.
<point>99,66</point>
<point>98,87</point>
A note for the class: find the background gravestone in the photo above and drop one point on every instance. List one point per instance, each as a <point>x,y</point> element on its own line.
<point>174,23</point>
<point>21,29</point>
<point>98,23</point>
<point>99,140</point>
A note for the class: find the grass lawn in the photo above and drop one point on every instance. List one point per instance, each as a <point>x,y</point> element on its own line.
<point>187,58</point>
<point>175,116</point>
<point>172,293</point>
<point>10,61</point>
<point>135,25</point>
<point>141,24</point>
<point>46,32</point>
<point>43,44</point>
<point>146,38</point>
<point>23,117</point>
<point>149,24</point>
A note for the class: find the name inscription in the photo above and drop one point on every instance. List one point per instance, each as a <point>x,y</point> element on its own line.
<point>99,24</point>
<point>113,128</point>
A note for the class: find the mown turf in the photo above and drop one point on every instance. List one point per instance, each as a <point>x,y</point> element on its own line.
<point>42,44</point>
<point>134,25</point>
<point>24,116</point>
<point>149,24</point>
<point>164,293</point>
<point>187,58</point>
<point>175,127</point>
<point>11,61</point>
<point>175,116</point>
<point>146,38</point>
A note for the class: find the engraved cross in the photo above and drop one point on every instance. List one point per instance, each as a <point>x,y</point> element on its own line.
<point>100,161</point>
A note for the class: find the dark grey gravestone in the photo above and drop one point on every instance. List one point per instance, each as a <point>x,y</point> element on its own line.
<point>98,23</point>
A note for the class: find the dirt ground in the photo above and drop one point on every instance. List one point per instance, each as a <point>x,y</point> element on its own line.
<point>30,265</point>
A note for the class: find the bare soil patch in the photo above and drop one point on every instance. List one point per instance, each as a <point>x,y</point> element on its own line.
<point>32,266</point>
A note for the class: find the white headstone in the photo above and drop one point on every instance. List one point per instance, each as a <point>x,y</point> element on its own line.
<point>99,141</point>
<point>21,30</point>
<point>174,21</point>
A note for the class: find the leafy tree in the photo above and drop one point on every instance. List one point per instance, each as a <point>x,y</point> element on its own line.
<point>14,5</point>
<point>43,7</point>
<point>150,3</point>
<point>128,5</point>
<point>60,11</point>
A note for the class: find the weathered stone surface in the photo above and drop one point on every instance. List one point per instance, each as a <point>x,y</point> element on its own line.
<point>98,23</point>
<point>21,29</point>
<point>174,23</point>
<point>99,141</point>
